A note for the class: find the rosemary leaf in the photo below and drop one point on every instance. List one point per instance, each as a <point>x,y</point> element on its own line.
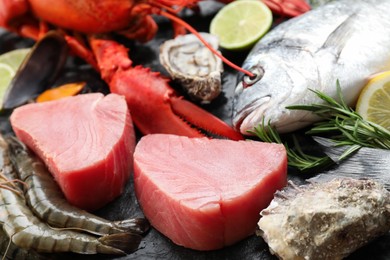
<point>341,122</point>
<point>296,158</point>
<point>349,127</point>
<point>349,151</point>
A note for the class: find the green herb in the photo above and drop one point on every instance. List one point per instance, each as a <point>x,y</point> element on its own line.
<point>342,122</point>
<point>296,157</point>
<point>349,126</point>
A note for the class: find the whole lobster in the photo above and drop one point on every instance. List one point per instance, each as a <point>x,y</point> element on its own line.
<point>154,105</point>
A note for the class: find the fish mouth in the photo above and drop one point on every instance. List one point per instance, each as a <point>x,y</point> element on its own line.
<point>251,113</point>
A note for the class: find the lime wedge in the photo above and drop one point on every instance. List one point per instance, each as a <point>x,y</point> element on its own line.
<point>6,75</point>
<point>14,58</point>
<point>240,24</point>
<point>9,64</point>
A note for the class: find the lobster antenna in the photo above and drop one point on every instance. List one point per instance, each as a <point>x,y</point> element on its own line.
<point>196,33</point>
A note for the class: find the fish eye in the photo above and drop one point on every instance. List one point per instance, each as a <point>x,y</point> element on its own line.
<point>258,73</point>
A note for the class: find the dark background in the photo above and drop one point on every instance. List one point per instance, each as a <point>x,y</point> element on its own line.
<point>154,244</point>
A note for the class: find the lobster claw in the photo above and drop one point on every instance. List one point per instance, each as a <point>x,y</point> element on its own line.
<point>154,105</point>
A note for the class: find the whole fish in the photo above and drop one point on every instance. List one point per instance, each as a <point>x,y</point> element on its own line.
<point>346,40</point>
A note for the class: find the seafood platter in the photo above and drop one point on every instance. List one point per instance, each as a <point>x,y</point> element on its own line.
<point>176,166</point>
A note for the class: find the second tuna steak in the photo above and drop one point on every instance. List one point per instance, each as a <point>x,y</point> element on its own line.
<point>87,142</point>
<point>205,193</point>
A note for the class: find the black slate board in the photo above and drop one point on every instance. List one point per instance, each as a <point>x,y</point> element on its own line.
<point>155,245</point>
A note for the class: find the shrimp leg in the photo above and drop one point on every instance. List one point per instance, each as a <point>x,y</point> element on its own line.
<point>46,200</point>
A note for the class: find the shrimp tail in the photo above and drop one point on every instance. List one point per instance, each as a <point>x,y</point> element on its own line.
<point>126,242</point>
<point>135,225</point>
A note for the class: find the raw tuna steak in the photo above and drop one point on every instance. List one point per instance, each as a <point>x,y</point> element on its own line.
<point>87,142</point>
<point>205,193</point>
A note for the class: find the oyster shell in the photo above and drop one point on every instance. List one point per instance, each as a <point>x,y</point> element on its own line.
<point>193,65</point>
<point>325,220</point>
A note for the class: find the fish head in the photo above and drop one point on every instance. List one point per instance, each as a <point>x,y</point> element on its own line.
<point>278,83</point>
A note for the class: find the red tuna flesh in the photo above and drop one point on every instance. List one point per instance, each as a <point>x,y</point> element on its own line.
<point>87,142</point>
<point>205,193</point>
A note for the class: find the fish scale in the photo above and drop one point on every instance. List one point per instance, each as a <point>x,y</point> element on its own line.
<point>344,40</point>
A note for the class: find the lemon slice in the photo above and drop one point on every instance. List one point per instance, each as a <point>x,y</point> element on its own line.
<point>240,24</point>
<point>9,64</point>
<point>374,101</point>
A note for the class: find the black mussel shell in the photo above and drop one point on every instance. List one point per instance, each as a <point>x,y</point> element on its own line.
<point>38,71</point>
<point>74,73</point>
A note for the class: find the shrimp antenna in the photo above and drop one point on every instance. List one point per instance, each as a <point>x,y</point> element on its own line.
<point>6,250</point>
<point>10,184</point>
<point>15,190</point>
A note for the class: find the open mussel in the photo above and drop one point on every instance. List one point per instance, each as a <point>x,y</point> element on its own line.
<point>38,70</point>
<point>193,65</point>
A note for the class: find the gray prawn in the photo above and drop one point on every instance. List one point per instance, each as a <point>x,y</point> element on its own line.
<point>9,250</point>
<point>47,202</point>
<point>26,231</point>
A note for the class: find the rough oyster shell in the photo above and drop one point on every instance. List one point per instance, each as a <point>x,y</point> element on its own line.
<point>325,220</point>
<point>193,65</point>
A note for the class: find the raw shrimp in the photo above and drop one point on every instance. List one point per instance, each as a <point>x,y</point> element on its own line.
<point>9,250</point>
<point>28,232</point>
<point>47,202</point>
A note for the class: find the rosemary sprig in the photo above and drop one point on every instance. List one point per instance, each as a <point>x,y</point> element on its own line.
<point>297,158</point>
<point>345,126</point>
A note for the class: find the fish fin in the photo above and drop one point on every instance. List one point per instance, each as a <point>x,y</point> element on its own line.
<point>334,152</point>
<point>340,36</point>
<point>370,163</point>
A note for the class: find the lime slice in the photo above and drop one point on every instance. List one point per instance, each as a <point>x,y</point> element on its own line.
<point>374,101</point>
<point>240,24</point>
<point>14,58</point>
<point>6,74</point>
<point>9,64</point>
